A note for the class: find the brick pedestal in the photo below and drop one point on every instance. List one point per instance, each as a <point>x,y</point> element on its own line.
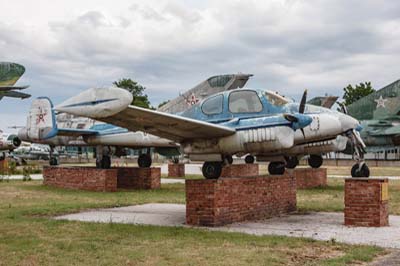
<point>240,170</point>
<point>366,202</point>
<point>310,177</point>
<point>139,178</point>
<point>228,200</point>
<point>94,179</point>
<point>176,170</point>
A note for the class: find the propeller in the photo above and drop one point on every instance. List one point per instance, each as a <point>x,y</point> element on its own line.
<point>295,119</point>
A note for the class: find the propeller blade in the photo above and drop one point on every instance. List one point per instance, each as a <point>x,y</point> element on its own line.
<point>303,101</point>
<point>343,108</point>
<point>302,131</point>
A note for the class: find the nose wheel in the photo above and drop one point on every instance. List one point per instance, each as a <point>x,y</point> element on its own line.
<point>249,159</point>
<point>360,170</point>
<point>144,160</point>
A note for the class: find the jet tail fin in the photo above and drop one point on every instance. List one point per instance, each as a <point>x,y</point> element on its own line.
<point>10,73</point>
<point>41,121</point>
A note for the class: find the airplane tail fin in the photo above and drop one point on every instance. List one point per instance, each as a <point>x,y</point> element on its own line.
<point>41,121</point>
<point>10,73</point>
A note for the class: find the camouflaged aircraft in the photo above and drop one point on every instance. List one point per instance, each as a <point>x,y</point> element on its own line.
<point>9,75</point>
<point>379,115</point>
<point>46,127</point>
<point>259,123</point>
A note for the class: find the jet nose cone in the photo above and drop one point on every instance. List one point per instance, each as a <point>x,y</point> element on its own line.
<point>349,123</point>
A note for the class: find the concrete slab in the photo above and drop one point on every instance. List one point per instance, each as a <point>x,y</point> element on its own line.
<point>149,214</point>
<point>316,225</point>
<point>172,181</point>
<point>20,177</point>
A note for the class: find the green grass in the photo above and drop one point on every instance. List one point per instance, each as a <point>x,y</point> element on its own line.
<point>30,237</point>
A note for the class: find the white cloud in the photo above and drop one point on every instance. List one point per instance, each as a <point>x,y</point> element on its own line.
<point>169,46</point>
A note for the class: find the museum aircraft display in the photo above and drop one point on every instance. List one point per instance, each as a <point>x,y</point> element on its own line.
<point>70,130</point>
<point>379,115</point>
<point>244,121</point>
<point>8,142</point>
<point>9,75</point>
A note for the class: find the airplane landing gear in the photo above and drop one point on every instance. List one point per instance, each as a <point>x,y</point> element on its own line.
<point>291,162</point>
<point>144,160</point>
<point>52,160</point>
<point>315,161</point>
<point>228,159</point>
<point>103,159</point>
<point>360,170</point>
<point>276,168</point>
<point>212,170</point>
<point>249,159</point>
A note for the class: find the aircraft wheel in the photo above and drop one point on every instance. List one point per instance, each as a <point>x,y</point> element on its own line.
<point>249,159</point>
<point>229,159</point>
<point>356,171</point>
<point>315,161</point>
<point>212,170</point>
<point>53,161</point>
<point>144,160</point>
<point>292,162</point>
<point>2,157</point>
<point>276,168</point>
<point>106,162</point>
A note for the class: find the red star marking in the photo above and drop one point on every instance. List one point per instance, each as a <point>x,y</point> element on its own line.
<point>192,100</point>
<point>40,117</point>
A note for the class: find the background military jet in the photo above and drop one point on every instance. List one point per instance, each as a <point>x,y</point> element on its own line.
<point>8,142</point>
<point>379,114</point>
<point>236,122</point>
<point>9,75</point>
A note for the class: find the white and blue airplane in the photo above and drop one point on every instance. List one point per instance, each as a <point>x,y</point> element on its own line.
<point>259,123</point>
<point>44,126</point>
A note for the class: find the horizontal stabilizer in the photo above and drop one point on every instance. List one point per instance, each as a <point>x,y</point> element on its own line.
<point>15,94</point>
<point>13,88</point>
<point>326,101</point>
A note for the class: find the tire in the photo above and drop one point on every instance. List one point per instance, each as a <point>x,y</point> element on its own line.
<point>276,168</point>
<point>249,159</point>
<point>212,170</point>
<point>229,159</point>
<point>106,162</point>
<point>292,162</point>
<point>144,161</point>
<point>53,161</point>
<point>315,161</point>
<point>363,172</point>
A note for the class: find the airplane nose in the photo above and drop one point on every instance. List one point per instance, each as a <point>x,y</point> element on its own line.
<point>348,123</point>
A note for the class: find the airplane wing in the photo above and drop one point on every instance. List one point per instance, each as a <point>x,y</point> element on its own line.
<point>165,125</point>
<point>14,94</point>
<point>111,105</point>
<point>12,88</point>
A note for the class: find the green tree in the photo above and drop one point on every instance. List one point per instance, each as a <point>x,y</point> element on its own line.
<point>139,98</point>
<point>163,103</point>
<point>352,94</point>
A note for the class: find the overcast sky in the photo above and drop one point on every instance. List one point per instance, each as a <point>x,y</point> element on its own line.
<point>170,46</point>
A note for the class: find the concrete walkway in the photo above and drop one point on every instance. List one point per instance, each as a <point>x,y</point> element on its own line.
<point>316,225</point>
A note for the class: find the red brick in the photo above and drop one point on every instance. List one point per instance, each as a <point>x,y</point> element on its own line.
<point>310,177</point>
<point>363,202</point>
<point>94,179</point>
<point>235,199</point>
<point>240,170</point>
<point>176,170</point>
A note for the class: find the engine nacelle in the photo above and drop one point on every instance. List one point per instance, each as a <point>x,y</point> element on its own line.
<point>9,142</point>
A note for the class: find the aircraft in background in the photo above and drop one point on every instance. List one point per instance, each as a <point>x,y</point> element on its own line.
<point>8,142</point>
<point>9,75</point>
<point>70,130</point>
<point>379,115</point>
<point>260,123</point>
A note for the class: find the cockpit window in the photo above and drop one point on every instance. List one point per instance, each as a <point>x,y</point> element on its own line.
<point>219,81</point>
<point>244,102</point>
<point>275,99</point>
<point>213,105</point>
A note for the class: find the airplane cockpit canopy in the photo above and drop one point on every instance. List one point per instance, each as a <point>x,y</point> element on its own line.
<point>244,101</point>
<point>276,99</point>
<point>213,105</point>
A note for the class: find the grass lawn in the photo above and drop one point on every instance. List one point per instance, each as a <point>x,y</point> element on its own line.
<point>29,237</point>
